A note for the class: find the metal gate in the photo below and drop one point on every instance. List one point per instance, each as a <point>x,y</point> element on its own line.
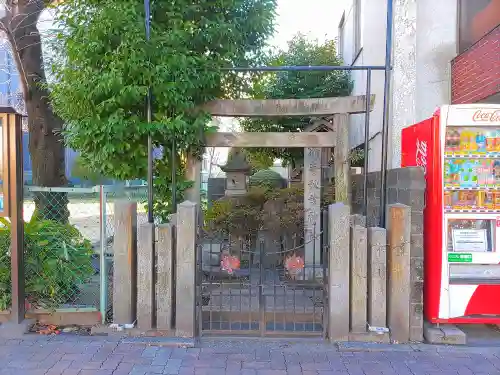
<point>261,287</point>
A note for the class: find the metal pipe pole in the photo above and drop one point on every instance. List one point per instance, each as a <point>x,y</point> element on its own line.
<point>367,139</point>
<point>303,68</point>
<point>149,111</point>
<point>174,177</point>
<point>103,269</point>
<point>387,105</point>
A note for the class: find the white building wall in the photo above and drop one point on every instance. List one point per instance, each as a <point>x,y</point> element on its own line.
<point>424,43</point>
<point>371,52</point>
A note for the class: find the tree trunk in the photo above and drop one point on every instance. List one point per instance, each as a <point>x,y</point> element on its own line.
<point>46,144</point>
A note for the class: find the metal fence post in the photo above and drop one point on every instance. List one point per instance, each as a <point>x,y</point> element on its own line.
<point>103,300</point>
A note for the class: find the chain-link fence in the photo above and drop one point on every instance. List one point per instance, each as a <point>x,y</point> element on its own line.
<point>109,196</point>
<point>68,247</point>
<point>61,229</point>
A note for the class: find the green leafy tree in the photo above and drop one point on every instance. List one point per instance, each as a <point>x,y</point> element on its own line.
<point>259,161</point>
<point>107,66</point>
<point>296,85</point>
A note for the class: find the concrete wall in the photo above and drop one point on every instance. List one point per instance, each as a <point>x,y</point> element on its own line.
<point>406,186</point>
<point>372,52</point>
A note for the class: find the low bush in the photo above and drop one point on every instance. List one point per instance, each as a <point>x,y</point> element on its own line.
<point>57,259</point>
<point>262,208</point>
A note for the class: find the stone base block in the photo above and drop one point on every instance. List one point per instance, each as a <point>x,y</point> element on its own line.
<point>174,342</point>
<point>444,334</point>
<point>369,337</point>
<point>103,330</point>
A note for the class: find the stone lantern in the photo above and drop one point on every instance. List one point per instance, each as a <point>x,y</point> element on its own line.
<point>237,169</point>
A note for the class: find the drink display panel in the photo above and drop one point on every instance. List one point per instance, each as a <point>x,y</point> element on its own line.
<point>472,200</point>
<point>472,169</point>
<point>472,140</point>
<point>471,173</point>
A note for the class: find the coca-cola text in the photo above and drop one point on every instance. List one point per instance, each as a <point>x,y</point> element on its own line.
<point>486,116</point>
<point>421,154</point>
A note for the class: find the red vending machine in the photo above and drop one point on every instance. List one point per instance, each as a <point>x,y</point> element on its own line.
<point>459,148</point>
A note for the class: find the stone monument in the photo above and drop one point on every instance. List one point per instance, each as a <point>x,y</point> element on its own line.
<point>237,169</point>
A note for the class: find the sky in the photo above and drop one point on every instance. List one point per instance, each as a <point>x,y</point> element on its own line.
<point>316,18</point>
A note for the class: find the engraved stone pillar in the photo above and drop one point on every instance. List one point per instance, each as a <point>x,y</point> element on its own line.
<point>341,159</point>
<point>164,281</point>
<point>312,209</point>
<point>338,272</point>
<point>185,288</point>
<point>358,284</point>
<point>125,259</point>
<point>145,277</point>
<point>398,261</point>
<point>193,173</point>
<point>377,277</point>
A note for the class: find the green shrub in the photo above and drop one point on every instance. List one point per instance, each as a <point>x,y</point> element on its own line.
<point>267,178</point>
<point>236,215</point>
<point>56,260</point>
<point>262,208</point>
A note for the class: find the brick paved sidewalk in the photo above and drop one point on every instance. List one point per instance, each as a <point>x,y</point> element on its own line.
<point>102,356</point>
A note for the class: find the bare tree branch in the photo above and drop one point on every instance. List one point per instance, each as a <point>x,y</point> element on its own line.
<point>20,18</point>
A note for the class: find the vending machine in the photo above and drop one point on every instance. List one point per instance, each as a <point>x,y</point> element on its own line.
<point>459,149</point>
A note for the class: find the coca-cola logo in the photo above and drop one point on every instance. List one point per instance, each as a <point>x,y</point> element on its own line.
<point>421,154</point>
<point>486,116</point>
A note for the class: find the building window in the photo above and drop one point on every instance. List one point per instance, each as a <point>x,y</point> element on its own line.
<point>357,27</point>
<point>341,37</point>
<point>205,164</point>
<point>476,19</point>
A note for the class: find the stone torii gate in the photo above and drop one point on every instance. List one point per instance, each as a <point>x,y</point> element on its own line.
<point>337,137</point>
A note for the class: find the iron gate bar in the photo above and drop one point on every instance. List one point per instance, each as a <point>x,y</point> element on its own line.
<point>224,316</point>
<point>367,141</point>
<point>387,104</point>
<point>149,115</point>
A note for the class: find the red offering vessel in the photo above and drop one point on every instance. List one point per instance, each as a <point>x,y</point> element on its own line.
<point>459,148</point>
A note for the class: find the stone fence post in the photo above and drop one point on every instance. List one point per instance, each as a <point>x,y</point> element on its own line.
<point>185,289</point>
<point>338,272</point>
<point>145,277</point>
<point>398,262</point>
<point>125,263</point>
<point>377,277</point>
<point>165,296</point>
<point>358,270</point>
